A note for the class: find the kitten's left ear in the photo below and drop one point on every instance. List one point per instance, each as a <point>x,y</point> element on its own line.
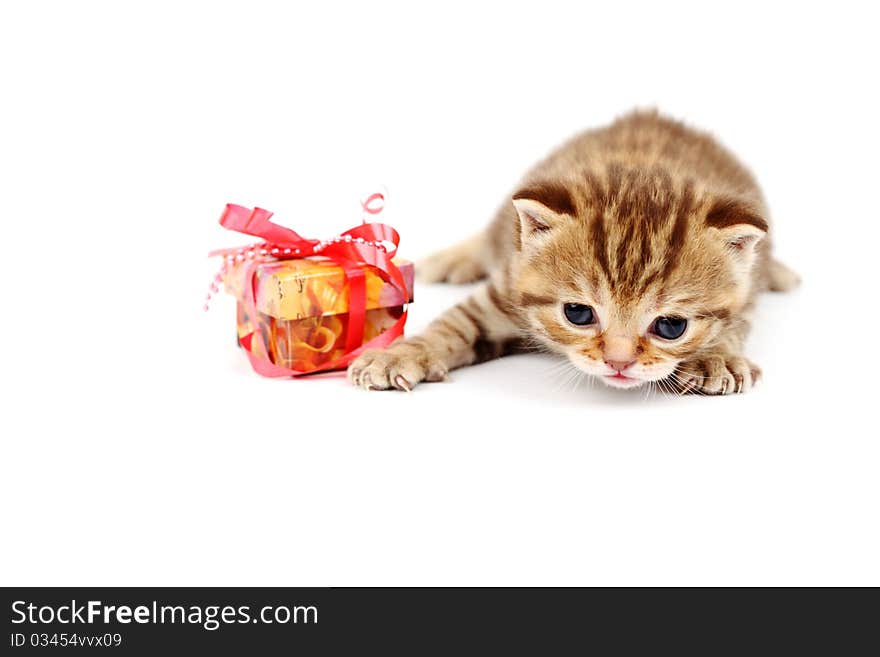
<point>738,224</point>
<point>542,207</point>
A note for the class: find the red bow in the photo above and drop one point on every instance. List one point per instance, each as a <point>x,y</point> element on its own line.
<point>352,250</point>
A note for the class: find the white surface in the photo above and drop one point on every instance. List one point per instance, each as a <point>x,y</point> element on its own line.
<point>138,447</point>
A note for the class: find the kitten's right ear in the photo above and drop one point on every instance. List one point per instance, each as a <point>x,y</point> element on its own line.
<point>739,225</point>
<point>541,208</point>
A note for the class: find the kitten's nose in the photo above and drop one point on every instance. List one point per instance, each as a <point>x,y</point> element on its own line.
<point>619,352</point>
<point>619,365</point>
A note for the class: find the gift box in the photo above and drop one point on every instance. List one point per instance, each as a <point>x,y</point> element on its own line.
<point>302,308</point>
<point>307,305</point>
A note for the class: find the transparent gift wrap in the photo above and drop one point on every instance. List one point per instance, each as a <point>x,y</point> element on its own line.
<point>302,309</point>
<point>308,305</point>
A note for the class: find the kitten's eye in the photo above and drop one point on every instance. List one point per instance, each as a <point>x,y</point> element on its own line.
<point>578,314</point>
<point>669,328</point>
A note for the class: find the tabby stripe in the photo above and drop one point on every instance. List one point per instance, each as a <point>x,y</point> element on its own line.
<point>529,299</point>
<point>614,174</point>
<point>648,280</point>
<point>481,331</point>
<point>592,279</point>
<point>720,313</point>
<point>444,324</point>
<point>601,200</point>
<point>644,258</point>
<point>679,229</point>
<point>500,303</point>
<point>629,199</point>
<point>666,194</point>
<point>597,231</point>
<point>626,238</point>
<point>597,192</point>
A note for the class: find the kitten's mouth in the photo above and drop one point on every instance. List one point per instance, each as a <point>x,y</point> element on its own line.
<point>620,380</point>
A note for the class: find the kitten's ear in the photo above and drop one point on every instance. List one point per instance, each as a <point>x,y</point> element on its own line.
<point>739,225</point>
<point>541,208</point>
<point>534,218</point>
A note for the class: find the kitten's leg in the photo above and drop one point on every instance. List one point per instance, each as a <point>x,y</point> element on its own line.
<point>781,278</point>
<point>477,257</point>
<point>476,330</point>
<point>465,262</point>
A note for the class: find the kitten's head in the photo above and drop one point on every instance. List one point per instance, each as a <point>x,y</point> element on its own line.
<point>629,273</point>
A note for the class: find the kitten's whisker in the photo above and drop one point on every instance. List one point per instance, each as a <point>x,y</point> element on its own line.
<point>661,386</point>
<point>691,386</point>
<point>675,390</point>
<point>564,374</point>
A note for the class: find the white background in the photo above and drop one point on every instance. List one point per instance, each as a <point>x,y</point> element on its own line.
<point>139,448</point>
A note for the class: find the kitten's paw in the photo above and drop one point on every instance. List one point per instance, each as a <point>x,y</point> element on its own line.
<point>716,375</point>
<point>462,263</point>
<point>399,367</point>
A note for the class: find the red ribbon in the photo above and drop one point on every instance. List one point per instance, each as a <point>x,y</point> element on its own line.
<point>357,247</point>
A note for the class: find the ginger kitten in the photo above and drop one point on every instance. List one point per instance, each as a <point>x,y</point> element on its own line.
<point>635,250</point>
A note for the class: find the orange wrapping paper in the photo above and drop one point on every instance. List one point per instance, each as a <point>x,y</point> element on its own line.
<point>302,308</point>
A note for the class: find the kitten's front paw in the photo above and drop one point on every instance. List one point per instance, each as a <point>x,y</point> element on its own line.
<point>716,375</point>
<point>399,367</point>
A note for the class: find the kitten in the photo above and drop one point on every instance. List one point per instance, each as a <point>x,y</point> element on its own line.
<point>635,250</point>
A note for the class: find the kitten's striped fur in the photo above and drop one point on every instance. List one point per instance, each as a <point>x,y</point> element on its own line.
<point>640,219</point>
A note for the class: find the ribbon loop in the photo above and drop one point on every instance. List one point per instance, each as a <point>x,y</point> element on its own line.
<point>256,222</point>
<point>374,203</point>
